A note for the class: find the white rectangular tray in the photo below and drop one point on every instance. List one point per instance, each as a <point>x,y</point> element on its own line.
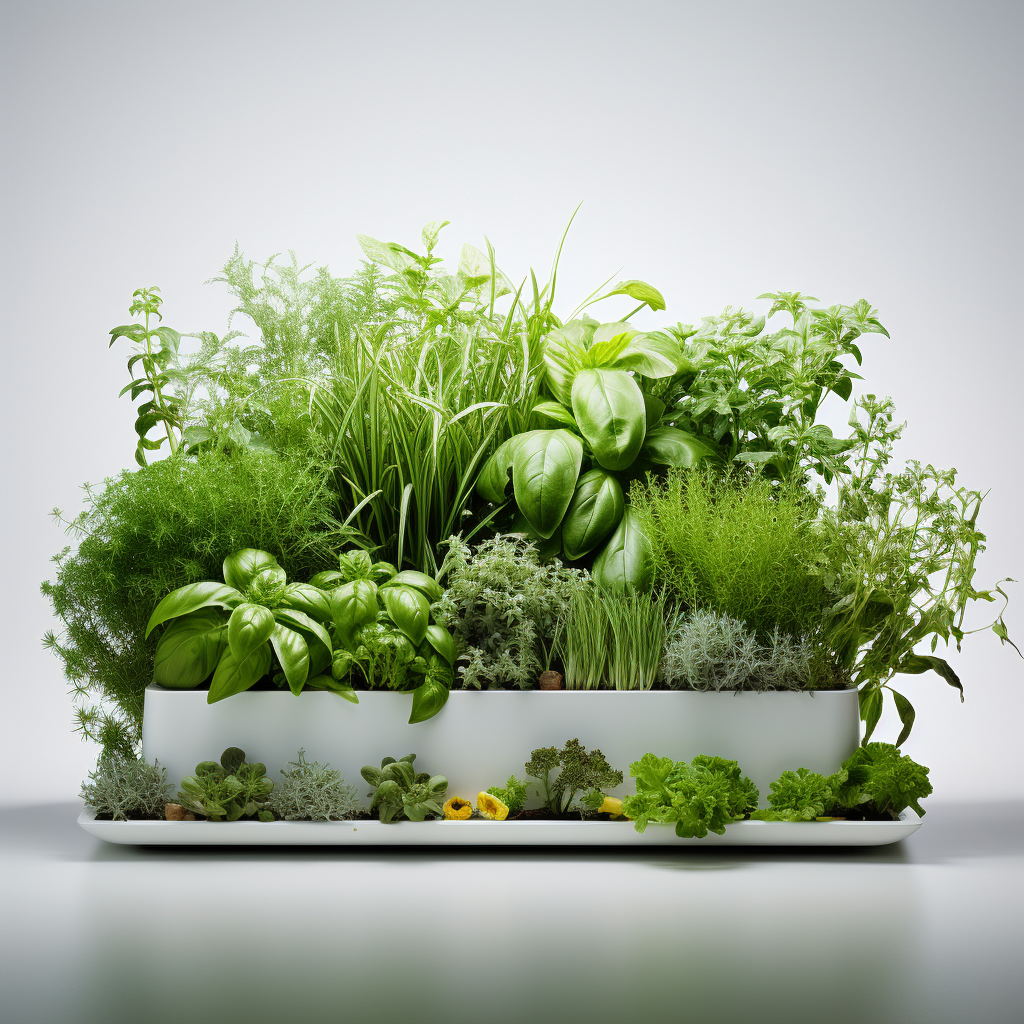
<point>479,832</point>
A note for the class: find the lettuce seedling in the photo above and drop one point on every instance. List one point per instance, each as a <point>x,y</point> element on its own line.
<point>879,777</point>
<point>512,794</point>
<point>227,791</point>
<point>399,792</point>
<point>700,797</point>
<point>802,795</point>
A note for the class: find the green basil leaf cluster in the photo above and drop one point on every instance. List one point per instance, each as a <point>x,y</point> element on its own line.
<point>399,791</point>
<point>701,796</point>
<point>228,791</point>
<point>236,630</point>
<point>567,480</point>
<point>385,631</point>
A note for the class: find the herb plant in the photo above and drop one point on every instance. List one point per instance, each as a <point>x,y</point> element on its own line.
<point>228,791</point>
<point>125,787</point>
<point>312,792</point>
<point>400,792</point>
<point>582,639</point>
<point>503,606</point>
<point>879,778</point>
<point>580,773</point>
<point>512,794</point>
<point>802,795</point>
<point>700,797</point>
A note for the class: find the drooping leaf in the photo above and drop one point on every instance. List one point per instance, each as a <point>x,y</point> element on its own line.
<point>426,585</point>
<point>670,446</point>
<point>493,483</point>
<point>609,409</point>
<point>544,473</point>
<point>641,291</point>
<point>191,598</point>
<point>232,676</point>
<point>915,664</point>
<point>442,641</point>
<point>409,611</point>
<point>427,700</point>
<point>654,409</point>
<point>241,566</point>
<point>557,412</point>
<point>593,514</point>
<point>189,649</point>
<point>907,716</point>
<point>303,623</point>
<point>870,709</point>
<point>249,627</point>
<point>627,560</point>
<point>292,655</point>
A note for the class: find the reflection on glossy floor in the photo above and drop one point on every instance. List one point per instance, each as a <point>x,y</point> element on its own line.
<point>929,930</point>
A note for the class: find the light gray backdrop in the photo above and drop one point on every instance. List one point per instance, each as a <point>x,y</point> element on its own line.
<point>722,150</point>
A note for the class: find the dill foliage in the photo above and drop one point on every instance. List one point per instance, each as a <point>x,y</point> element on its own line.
<point>149,532</point>
<point>503,606</point>
<point>313,792</point>
<point>123,787</point>
<point>738,546</point>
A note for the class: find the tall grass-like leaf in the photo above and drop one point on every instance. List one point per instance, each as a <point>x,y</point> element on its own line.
<point>636,624</point>
<point>582,640</point>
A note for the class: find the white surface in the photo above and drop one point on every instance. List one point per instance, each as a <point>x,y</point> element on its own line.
<point>491,833</point>
<point>480,738</point>
<point>927,931</point>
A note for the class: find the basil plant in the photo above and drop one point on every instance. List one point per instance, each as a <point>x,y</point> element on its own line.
<point>384,630</point>
<point>567,479</point>
<point>237,630</point>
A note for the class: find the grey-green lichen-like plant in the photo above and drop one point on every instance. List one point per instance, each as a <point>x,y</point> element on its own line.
<point>312,792</point>
<point>400,792</point>
<point>707,651</point>
<point>124,787</point>
<point>228,791</point>
<point>503,606</point>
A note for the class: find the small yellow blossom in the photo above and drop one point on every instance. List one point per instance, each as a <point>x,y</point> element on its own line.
<point>611,805</point>
<point>491,807</point>
<point>458,809</point>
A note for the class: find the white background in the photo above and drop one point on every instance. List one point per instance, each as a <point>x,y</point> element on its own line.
<point>721,150</point>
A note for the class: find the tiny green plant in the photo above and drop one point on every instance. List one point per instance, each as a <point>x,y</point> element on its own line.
<point>156,351</point>
<point>312,792</point>
<point>512,794</point>
<point>124,787</point>
<point>580,773</point>
<point>399,791</point>
<point>229,790</point>
<point>802,795</point>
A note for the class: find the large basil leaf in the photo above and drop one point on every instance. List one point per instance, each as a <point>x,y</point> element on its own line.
<point>309,599</point>
<point>608,343</point>
<point>233,676</point>
<point>427,700</point>
<point>409,611</point>
<point>650,355</point>
<point>564,350</point>
<point>547,464</point>
<point>443,642</point>
<point>609,409</point>
<point>249,627</point>
<point>670,446</point>
<point>292,654</point>
<point>354,605</point>
<point>191,598</point>
<point>627,560</point>
<point>593,513</point>
<point>325,682</point>
<point>241,566</point>
<point>302,623</point>
<point>654,409</point>
<point>492,483</point>
<point>189,650</point>
<point>426,585</point>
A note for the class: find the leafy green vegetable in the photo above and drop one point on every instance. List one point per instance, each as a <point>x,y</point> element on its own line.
<point>609,409</point>
<point>579,772</point>
<point>228,791</point>
<point>879,777</point>
<point>802,795</point>
<point>512,794</point>
<point>400,792</point>
<point>545,467</point>
<point>593,513</point>
<point>627,560</point>
<point>700,797</point>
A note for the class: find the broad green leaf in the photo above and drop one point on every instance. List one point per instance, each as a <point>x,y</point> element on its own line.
<point>608,343</point>
<point>650,355</point>
<point>426,585</point>
<point>385,254</point>
<point>641,291</point>
<point>427,700</point>
<point>302,623</point>
<point>442,641</point>
<point>324,682</point>
<point>241,566</point>
<point>305,597</point>
<point>354,605</point>
<point>609,410</point>
<point>907,716</point>
<point>627,560</point>
<point>327,580</point>
<point>564,350</point>
<point>593,514</point>
<point>544,473</point>
<point>654,409</point>
<point>191,598</point>
<point>870,710</point>
<point>670,446</point>
<point>915,664</point>
<point>249,627</point>
<point>292,655</point>
<point>409,611</point>
<point>492,484</point>
<point>232,676</point>
<point>431,232</point>
<point>557,412</point>
<point>189,649</point>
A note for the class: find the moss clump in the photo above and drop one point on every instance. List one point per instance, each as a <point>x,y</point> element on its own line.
<point>124,787</point>
<point>313,792</point>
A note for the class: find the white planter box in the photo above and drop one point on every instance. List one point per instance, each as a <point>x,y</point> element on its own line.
<point>480,738</point>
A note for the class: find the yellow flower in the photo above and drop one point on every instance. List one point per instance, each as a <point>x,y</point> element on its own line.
<point>611,805</point>
<point>491,807</point>
<point>458,809</point>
